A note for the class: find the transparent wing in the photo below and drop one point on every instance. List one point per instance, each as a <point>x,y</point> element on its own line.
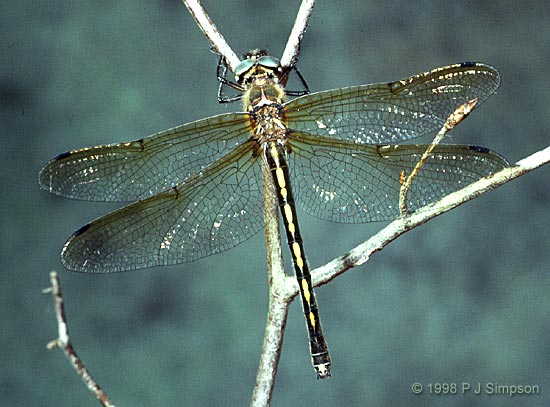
<point>130,171</point>
<point>352,183</point>
<point>212,211</point>
<point>392,112</point>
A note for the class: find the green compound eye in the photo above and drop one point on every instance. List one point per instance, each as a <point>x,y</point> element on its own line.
<point>269,62</point>
<point>244,66</point>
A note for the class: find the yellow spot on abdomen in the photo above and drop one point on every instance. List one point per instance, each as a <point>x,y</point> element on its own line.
<point>289,218</point>
<point>297,255</point>
<point>305,288</point>
<point>288,214</point>
<point>312,319</point>
<point>280,177</point>
<point>291,228</point>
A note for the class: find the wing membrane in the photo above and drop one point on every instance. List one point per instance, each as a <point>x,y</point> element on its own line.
<point>352,183</point>
<point>130,171</point>
<point>392,112</point>
<point>210,212</point>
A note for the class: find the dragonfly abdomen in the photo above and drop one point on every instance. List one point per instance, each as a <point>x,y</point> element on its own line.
<point>275,159</point>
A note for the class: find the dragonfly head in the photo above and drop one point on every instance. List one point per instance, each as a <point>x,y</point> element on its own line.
<point>257,64</point>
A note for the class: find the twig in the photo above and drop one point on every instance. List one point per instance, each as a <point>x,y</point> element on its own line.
<point>292,49</point>
<point>271,348</point>
<point>454,118</point>
<point>213,35</point>
<point>278,305</point>
<point>63,342</point>
<point>362,252</point>
<point>220,45</point>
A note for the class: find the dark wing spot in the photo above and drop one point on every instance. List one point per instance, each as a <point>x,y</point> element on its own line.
<point>82,230</point>
<point>479,149</point>
<point>63,155</point>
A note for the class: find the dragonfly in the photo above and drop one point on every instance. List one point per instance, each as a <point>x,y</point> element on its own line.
<point>338,154</point>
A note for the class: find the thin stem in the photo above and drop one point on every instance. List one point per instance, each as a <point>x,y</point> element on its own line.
<point>278,305</point>
<point>271,349</point>
<point>213,35</point>
<point>63,342</point>
<point>453,119</point>
<point>292,49</point>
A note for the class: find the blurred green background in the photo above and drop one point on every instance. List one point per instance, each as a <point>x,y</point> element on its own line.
<point>464,298</point>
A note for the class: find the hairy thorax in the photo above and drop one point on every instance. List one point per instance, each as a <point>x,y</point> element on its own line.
<point>263,99</point>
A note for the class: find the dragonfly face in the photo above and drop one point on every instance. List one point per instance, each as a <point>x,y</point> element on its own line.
<point>336,153</point>
<point>255,63</point>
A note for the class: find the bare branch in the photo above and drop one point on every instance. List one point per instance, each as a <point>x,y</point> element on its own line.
<point>63,342</point>
<point>278,305</point>
<point>362,252</point>
<point>213,35</point>
<point>292,49</point>
<point>271,348</point>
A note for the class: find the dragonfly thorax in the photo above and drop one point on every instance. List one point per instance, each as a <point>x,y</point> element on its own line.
<point>263,92</point>
<point>268,123</point>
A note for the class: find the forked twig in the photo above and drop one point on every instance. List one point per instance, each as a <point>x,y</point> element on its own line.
<point>454,118</point>
<point>362,252</point>
<point>63,342</point>
<point>220,45</point>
